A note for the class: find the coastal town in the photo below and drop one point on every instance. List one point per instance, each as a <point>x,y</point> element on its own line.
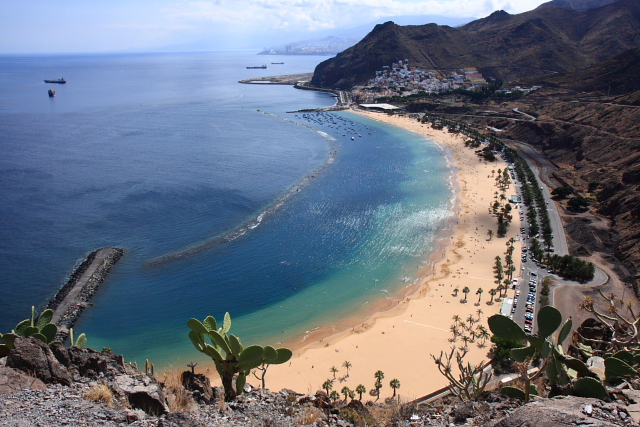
<point>401,79</point>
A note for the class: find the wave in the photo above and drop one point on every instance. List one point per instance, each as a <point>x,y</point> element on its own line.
<point>254,222</point>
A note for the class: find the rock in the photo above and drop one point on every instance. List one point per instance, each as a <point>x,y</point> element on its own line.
<point>133,416</point>
<point>88,362</point>
<point>568,411</point>
<point>143,392</point>
<point>463,411</point>
<point>34,357</point>
<point>179,419</point>
<point>200,385</point>
<point>632,395</point>
<point>12,381</point>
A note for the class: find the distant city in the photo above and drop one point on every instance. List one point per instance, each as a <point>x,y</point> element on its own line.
<point>325,46</point>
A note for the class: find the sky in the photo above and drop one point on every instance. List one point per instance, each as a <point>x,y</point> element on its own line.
<point>84,26</point>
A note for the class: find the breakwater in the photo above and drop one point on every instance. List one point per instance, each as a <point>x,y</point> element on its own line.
<point>255,221</point>
<point>76,294</point>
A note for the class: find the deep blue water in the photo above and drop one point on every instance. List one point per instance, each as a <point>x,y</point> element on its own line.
<point>161,152</point>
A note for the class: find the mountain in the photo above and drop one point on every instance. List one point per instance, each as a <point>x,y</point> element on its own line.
<point>616,75</point>
<point>578,5</point>
<point>544,40</point>
<point>336,40</point>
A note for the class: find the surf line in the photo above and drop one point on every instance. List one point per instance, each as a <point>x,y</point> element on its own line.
<point>256,220</point>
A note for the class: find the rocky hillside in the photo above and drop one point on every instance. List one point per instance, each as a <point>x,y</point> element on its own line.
<point>615,76</point>
<point>547,39</point>
<point>596,146</point>
<point>57,386</point>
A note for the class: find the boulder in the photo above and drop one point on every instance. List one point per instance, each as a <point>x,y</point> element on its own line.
<point>199,385</point>
<point>12,381</point>
<point>89,363</point>
<point>567,411</point>
<point>142,392</point>
<point>35,358</point>
<point>179,419</point>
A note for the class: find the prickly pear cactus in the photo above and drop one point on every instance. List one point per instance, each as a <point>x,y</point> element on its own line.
<point>230,357</point>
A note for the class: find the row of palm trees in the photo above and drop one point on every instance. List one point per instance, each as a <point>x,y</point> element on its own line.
<point>348,393</point>
<point>466,290</point>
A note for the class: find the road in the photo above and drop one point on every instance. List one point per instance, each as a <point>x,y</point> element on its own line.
<point>530,270</point>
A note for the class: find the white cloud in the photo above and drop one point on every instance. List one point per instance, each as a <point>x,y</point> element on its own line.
<point>325,14</point>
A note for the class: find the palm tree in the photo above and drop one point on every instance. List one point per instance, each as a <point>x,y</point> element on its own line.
<point>500,289</point>
<point>479,313</point>
<point>455,292</point>
<point>454,330</point>
<point>479,292</point>
<point>334,370</point>
<point>379,375</point>
<point>361,389</point>
<point>493,172</point>
<point>471,320</point>
<point>352,394</point>
<point>456,319</point>
<point>378,386</point>
<point>493,293</point>
<point>347,365</point>
<point>395,385</point>
<point>335,396</point>
<point>466,290</point>
<point>327,386</point>
<point>490,234</point>
<point>465,339</point>
<point>345,390</point>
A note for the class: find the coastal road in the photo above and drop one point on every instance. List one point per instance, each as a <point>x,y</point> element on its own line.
<point>530,270</point>
<point>559,238</point>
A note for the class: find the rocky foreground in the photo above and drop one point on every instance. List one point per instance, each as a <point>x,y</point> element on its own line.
<point>58,386</point>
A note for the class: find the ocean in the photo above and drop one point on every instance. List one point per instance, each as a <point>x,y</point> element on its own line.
<point>160,154</point>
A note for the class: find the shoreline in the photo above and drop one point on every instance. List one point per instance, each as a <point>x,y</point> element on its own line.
<point>401,333</point>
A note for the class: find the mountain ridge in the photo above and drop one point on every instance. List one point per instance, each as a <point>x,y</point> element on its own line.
<point>545,40</point>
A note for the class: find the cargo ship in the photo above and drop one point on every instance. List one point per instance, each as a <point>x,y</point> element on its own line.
<point>262,67</point>
<point>277,63</point>
<point>61,80</point>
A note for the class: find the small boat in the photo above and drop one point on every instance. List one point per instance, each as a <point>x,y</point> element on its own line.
<point>61,80</point>
<point>52,93</point>
<point>262,67</point>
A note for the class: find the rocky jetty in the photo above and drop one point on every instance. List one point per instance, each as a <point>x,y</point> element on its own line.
<point>76,294</point>
<point>56,386</point>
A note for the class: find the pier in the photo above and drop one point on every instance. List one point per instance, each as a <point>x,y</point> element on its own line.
<point>71,300</point>
<point>287,79</point>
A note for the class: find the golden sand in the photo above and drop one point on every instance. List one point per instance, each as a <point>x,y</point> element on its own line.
<point>399,341</point>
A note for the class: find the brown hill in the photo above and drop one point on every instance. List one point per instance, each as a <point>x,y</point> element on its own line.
<point>506,46</point>
<point>615,76</point>
<point>596,146</point>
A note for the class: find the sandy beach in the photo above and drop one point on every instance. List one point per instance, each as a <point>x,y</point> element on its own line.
<point>400,340</point>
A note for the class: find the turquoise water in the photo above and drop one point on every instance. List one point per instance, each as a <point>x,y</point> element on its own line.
<point>161,153</point>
